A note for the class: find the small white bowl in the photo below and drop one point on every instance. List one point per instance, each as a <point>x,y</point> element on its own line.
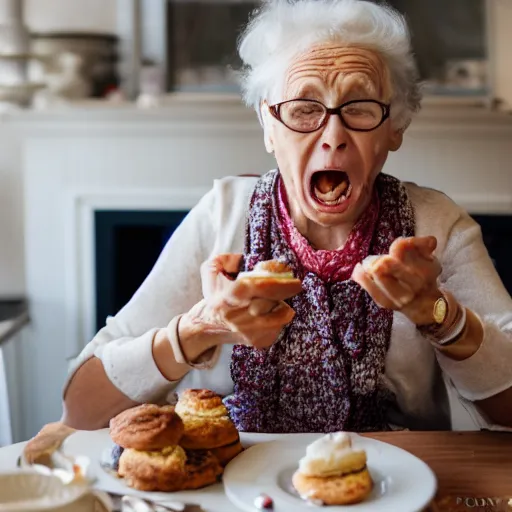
<point>24,491</point>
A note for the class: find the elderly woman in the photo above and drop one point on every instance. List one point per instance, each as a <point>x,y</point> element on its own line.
<point>419,337</point>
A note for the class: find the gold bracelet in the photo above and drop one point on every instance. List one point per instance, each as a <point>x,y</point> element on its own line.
<point>455,330</point>
<point>469,340</point>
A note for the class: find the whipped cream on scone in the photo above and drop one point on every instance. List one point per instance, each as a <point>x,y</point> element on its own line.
<point>272,268</point>
<point>332,455</point>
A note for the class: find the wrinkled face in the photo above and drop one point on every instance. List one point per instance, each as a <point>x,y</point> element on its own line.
<point>329,174</point>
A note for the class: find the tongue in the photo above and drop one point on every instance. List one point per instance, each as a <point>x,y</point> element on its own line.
<point>329,186</point>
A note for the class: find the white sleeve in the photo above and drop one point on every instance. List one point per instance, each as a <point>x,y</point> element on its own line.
<point>468,272</point>
<point>173,286</point>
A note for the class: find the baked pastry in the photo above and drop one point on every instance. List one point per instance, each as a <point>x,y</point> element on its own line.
<point>333,472</point>
<point>206,421</point>
<point>271,269</point>
<point>169,470</point>
<point>277,277</point>
<point>201,469</point>
<point>162,470</point>
<point>147,427</point>
<point>227,453</point>
<point>158,451</point>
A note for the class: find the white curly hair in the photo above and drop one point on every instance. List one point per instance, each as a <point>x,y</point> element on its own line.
<point>281,29</point>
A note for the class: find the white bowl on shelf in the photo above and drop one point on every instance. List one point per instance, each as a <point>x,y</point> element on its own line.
<point>21,94</point>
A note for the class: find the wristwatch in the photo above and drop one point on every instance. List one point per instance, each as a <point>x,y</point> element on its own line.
<point>440,312</point>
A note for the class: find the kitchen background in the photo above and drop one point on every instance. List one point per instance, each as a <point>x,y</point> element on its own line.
<point>117,115</point>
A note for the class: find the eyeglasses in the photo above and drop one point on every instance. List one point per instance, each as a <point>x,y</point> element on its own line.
<point>306,116</point>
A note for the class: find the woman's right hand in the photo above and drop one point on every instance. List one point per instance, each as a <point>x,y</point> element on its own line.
<point>245,311</point>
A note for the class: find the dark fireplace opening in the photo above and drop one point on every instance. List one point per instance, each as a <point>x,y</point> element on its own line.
<point>127,245</point>
<point>497,235</point>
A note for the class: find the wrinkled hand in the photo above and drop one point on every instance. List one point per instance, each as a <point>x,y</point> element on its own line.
<point>405,280</point>
<point>246,311</point>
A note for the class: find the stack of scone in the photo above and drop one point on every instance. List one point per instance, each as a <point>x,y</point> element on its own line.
<point>332,472</point>
<point>207,425</point>
<point>161,450</point>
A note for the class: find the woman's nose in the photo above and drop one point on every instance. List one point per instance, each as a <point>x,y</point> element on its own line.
<point>334,135</point>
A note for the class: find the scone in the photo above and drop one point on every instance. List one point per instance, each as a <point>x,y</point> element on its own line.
<point>147,427</point>
<point>333,472</point>
<point>271,269</point>
<point>162,470</point>
<point>201,469</point>
<point>206,421</point>
<point>169,470</point>
<point>273,277</point>
<point>225,454</point>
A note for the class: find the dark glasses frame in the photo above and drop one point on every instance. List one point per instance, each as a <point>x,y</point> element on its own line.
<point>275,110</point>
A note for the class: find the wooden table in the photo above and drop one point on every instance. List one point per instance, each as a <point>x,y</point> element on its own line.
<point>468,465</point>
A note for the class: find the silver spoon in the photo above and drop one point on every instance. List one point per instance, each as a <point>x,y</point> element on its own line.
<point>138,504</point>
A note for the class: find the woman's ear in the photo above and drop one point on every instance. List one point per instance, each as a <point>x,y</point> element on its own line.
<point>395,140</point>
<point>266,119</point>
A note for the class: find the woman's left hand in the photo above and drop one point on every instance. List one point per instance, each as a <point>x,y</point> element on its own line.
<point>405,280</point>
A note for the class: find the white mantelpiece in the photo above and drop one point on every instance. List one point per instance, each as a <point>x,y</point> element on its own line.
<point>76,160</point>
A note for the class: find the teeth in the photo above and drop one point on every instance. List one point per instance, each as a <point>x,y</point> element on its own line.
<point>337,196</point>
<point>328,188</point>
<point>332,194</point>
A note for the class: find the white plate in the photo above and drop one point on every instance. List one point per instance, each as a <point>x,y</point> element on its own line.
<point>404,483</point>
<point>94,444</point>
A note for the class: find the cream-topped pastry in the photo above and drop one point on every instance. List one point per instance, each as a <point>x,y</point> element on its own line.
<point>332,472</point>
<point>332,455</point>
<point>268,269</point>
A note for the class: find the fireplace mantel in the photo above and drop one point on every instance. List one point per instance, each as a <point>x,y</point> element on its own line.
<point>437,117</point>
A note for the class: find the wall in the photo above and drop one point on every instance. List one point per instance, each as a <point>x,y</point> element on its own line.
<point>12,281</point>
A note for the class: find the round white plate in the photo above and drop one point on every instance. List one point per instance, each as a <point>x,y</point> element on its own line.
<point>97,444</point>
<point>403,483</point>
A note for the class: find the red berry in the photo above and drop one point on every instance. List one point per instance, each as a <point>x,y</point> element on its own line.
<point>264,502</point>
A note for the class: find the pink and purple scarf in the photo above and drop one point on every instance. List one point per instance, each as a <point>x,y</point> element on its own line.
<point>324,373</point>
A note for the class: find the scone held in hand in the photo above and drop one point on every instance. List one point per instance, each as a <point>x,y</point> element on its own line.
<point>274,278</point>
<point>333,472</point>
<point>271,269</point>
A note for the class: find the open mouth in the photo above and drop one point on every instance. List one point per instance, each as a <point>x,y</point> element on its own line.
<point>330,188</point>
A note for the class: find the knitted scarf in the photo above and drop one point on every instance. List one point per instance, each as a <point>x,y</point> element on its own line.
<point>324,373</point>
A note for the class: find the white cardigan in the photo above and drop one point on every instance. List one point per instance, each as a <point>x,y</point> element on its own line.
<point>432,391</point>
